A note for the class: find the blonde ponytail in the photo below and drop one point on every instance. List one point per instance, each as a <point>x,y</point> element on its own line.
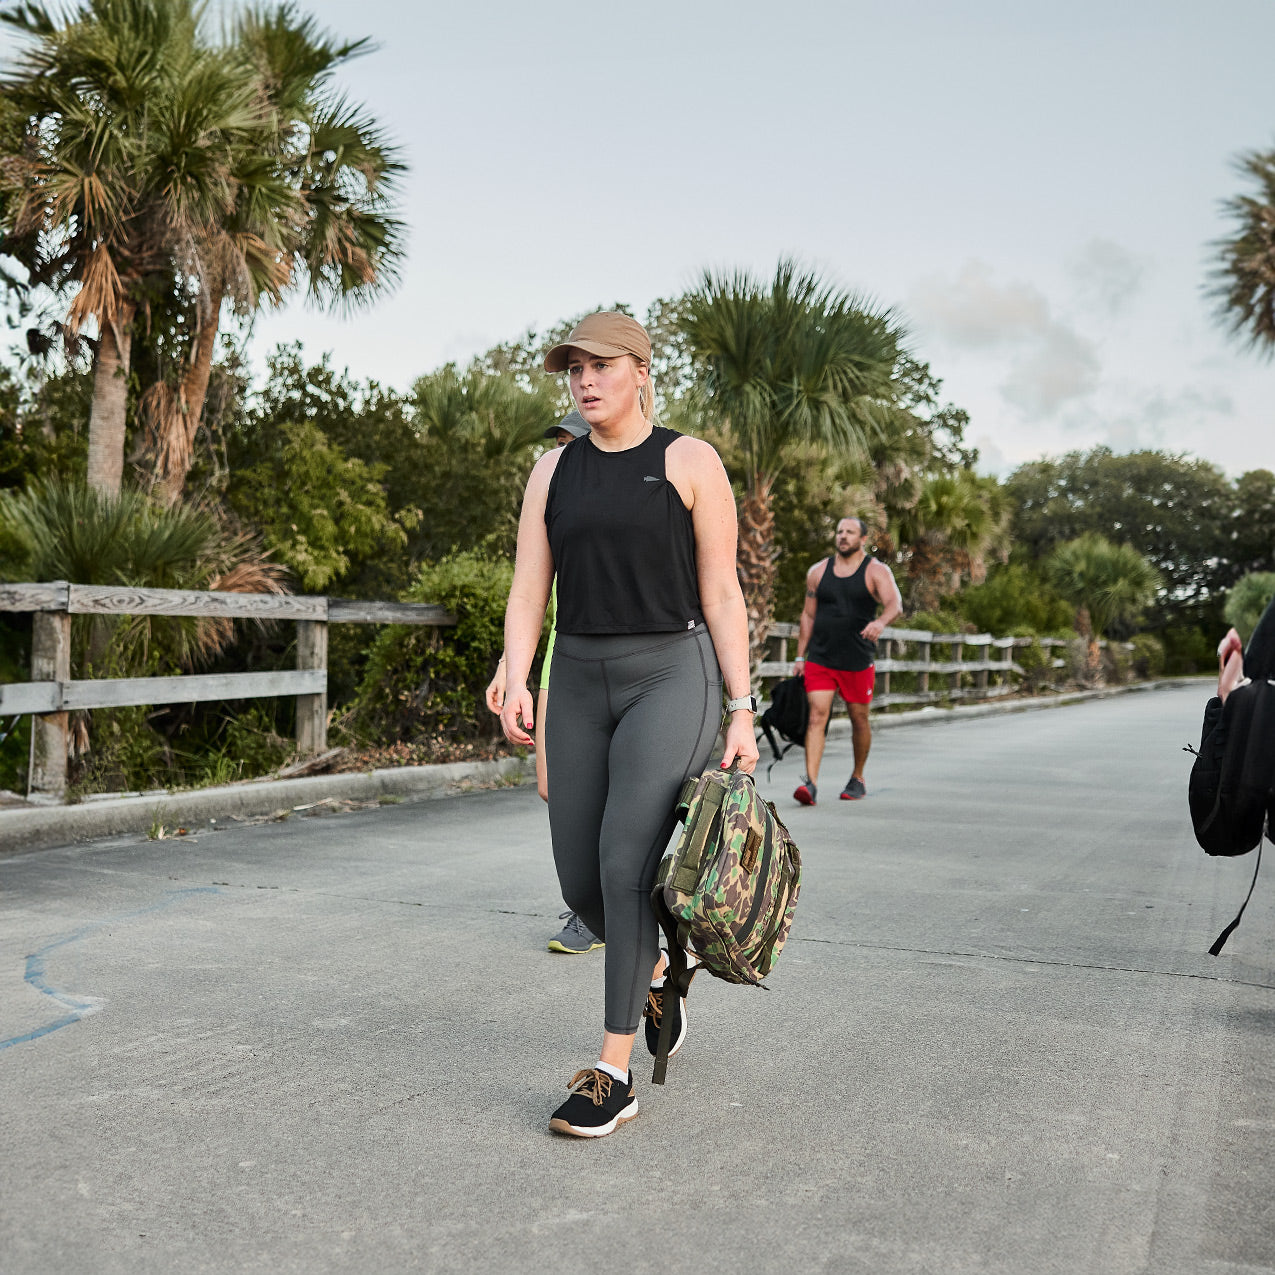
<point>646,396</point>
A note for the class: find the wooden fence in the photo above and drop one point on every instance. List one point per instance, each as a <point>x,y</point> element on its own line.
<point>948,666</point>
<point>51,693</point>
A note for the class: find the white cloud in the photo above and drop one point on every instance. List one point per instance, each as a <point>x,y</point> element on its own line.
<point>1142,419</point>
<point>1061,367</point>
<point>1107,275</point>
<point>975,312</point>
<point>1049,363</point>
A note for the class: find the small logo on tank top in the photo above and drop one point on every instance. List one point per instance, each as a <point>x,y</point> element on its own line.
<point>690,624</point>
<point>650,478</point>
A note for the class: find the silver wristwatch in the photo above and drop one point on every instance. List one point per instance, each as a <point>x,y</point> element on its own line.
<point>744,701</point>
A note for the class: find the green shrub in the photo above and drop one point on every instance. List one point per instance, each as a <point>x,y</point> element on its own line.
<point>1247,600</point>
<point>1012,597</point>
<point>1117,663</point>
<point>15,746</point>
<point>1148,656</point>
<point>1036,662</point>
<point>424,685</point>
<point>935,622</point>
<point>1189,650</point>
<point>124,754</point>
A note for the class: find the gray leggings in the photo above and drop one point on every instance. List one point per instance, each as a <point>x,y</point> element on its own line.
<point>630,717</point>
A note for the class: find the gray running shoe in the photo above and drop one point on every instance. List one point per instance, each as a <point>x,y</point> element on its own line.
<point>854,790</point>
<point>575,937</point>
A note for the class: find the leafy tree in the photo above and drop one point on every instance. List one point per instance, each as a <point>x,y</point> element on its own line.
<point>1252,536</point>
<point>364,419</point>
<point>1244,273</point>
<point>319,510</point>
<point>783,367</point>
<point>1173,510</point>
<point>1014,598</point>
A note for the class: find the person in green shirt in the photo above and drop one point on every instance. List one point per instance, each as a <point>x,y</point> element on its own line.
<point>575,937</point>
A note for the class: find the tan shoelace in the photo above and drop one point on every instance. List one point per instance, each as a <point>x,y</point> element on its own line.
<point>654,1005</point>
<point>593,1084</point>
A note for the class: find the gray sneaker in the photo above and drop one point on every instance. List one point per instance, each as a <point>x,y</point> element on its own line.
<point>575,937</point>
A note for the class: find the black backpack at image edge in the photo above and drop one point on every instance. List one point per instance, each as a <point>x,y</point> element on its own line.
<point>1232,786</point>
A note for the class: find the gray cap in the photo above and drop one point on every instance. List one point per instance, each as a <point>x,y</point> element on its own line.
<point>573,423</point>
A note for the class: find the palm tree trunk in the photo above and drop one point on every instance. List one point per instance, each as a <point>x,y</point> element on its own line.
<point>110,399</point>
<point>194,391</point>
<point>756,561</point>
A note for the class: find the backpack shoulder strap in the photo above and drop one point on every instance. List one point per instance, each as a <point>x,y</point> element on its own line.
<point>1220,942</point>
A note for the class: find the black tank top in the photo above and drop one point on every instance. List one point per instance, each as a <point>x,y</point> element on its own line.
<point>623,543</point>
<point>843,606</point>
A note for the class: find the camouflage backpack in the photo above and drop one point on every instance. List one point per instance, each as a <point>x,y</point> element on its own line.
<point>728,889</point>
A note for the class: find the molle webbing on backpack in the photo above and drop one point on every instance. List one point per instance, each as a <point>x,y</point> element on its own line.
<point>727,890</point>
<point>705,832</point>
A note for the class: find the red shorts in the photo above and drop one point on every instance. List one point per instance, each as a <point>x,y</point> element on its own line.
<point>855,685</point>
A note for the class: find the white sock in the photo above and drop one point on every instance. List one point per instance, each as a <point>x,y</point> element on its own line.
<point>614,1072</point>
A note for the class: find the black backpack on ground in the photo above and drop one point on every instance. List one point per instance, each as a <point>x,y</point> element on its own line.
<point>1232,786</point>
<point>786,717</point>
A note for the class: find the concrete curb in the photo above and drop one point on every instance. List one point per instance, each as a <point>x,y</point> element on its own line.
<point>34,827</point>
<point>929,716</point>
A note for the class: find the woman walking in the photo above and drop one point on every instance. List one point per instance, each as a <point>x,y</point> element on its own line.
<point>638,525</point>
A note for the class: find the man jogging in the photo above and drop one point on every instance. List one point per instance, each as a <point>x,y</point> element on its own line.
<point>836,647</point>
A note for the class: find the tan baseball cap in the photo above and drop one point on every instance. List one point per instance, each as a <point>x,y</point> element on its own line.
<point>607,333</point>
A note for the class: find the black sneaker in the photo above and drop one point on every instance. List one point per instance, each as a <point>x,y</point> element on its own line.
<point>805,793</point>
<point>654,1015</point>
<point>598,1104</point>
<point>854,789</point>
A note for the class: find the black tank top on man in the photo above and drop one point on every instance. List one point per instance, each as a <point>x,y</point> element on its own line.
<point>623,542</point>
<point>843,606</point>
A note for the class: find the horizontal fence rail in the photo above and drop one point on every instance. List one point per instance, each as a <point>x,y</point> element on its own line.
<point>51,693</point>
<point>989,677</point>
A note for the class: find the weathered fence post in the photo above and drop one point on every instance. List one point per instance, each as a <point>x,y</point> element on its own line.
<point>923,678</point>
<point>50,662</point>
<point>312,710</point>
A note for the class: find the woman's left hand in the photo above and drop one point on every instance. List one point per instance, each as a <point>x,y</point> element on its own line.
<point>741,743</point>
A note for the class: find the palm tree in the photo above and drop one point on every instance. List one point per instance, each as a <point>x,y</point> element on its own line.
<point>312,209</point>
<point>1244,275</point>
<point>784,366</point>
<point>129,126</point>
<point>489,411</point>
<point>1111,583</point>
<point>66,531</point>
<point>155,163</point>
<point>958,521</point>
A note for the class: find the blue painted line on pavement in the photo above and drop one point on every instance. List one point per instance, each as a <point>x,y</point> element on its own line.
<point>82,1006</point>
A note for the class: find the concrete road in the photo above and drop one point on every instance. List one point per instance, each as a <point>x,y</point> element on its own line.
<point>995,1042</point>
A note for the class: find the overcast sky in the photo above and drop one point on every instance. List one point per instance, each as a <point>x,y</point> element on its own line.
<point>1034,187</point>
